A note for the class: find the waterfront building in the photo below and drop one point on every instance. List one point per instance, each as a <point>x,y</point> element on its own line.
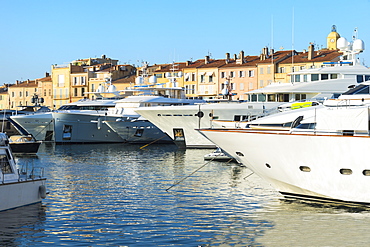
<point>238,75</point>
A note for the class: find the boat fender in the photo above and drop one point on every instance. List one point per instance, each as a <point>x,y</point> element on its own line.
<point>42,191</point>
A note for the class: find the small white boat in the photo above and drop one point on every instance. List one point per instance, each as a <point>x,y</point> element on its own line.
<point>18,187</point>
<point>218,155</point>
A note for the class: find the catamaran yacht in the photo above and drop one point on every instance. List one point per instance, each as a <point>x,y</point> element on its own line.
<point>313,85</point>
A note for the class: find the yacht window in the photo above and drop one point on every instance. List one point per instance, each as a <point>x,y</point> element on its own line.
<point>361,89</point>
<point>306,126</point>
<point>254,98</point>
<point>324,76</point>
<point>366,172</point>
<point>360,78</point>
<point>305,78</point>
<point>345,171</point>
<point>261,97</point>
<point>4,164</point>
<point>297,78</point>
<point>333,76</point>
<point>304,168</point>
<point>271,97</point>
<point>367,77</point>
<point>348,132</point>
<point>314,77</point>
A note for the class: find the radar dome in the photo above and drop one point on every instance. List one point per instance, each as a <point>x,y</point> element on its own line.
<point>100,89</point>
<point>153,79</point>
<point>112,88</point>
<point>224,91</point>
<point>342,43</point>
<point>179,74</point>
<point>139,80</point>
<point>168,74</point>
<point>358,45</point>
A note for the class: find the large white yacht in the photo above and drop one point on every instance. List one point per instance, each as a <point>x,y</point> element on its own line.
<point>330,81</point>
<point>322,158</point>
<point>41,125</point>
<point>131,127</point>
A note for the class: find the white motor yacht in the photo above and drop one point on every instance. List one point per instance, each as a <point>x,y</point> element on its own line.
<point>133,128</point>
<point>321,158</point>
<point>18,187</point>
<point>316,85</point>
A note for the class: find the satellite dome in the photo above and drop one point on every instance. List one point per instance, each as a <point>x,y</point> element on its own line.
<point>112,88</point>
<point>342,43</point>
<point>153,79</point>
<point>358,45</point>
<point>100,89</point>
<point>139,80</point>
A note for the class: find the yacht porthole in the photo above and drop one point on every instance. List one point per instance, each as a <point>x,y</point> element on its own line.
<point>304,168</point>
<point>345,171</point>
<point>267,165</point>
<point>239,154</point>
<point>366,172</point>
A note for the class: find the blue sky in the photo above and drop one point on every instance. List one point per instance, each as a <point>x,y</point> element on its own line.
<point>37,34</point>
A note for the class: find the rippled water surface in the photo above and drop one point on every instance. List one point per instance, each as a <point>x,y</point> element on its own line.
<point>120,195</point>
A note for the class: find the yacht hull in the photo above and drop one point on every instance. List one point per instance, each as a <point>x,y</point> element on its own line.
<point>39,125</point>
<point>316,167</point>
<point>83,128</point>
<point>17,194</point>
<point>138,131</point>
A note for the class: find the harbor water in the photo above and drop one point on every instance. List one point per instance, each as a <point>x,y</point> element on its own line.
<point>121,195</point>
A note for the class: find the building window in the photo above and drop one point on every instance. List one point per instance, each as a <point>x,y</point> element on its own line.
<point>210,78</point>
<point>261,71</point>
<point>241,74</point>
<point>192,76</point>
<point>60,80</point>
<point>75,80</point>
<point>241,86</point>
<point>250,85</point>
<point>201,78</point>
<point>261,83</point>
<point>82,91</point>
<point>223,75</point>
<point>12,94</point>
<point>232,74</point>
<point>49,92</point>
<point>268,70</point>
<point>282,70</point>
<point>26,93</point>
<point>83,80</point>
<point>75,89</point>
<point>251,73</point>
<point>20,94</point>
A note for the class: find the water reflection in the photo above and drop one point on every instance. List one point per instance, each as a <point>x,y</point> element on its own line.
<point>18,226</point>
<point>116,195</point>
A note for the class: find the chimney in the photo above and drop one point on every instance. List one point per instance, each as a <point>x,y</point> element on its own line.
<point>188,63</point>
<point>227,58</point>
<point>47,74</point>
<point>16,82</point>
<point>241,57</point>
<point>235,57</point>
<point>310,52</point>
<point>28,81</point>
<point>206,60</point>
